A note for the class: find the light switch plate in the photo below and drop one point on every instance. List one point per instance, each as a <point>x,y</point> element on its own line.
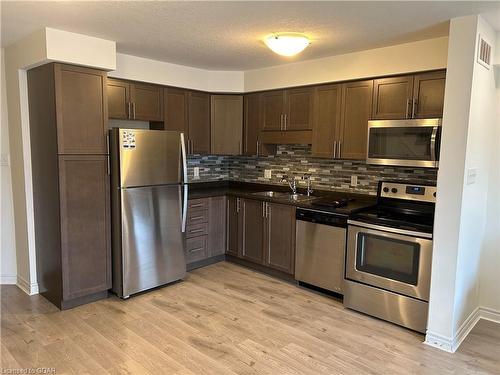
<point>196,173</point>
<point>471,176</point>
<point>267,173</point>
<point>354,180</point>
<point>4,159</point>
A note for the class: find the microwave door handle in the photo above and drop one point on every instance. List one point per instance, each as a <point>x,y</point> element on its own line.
<point>433,144</point>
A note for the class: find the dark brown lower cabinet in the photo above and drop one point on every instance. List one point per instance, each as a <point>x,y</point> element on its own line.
<point>253,230</point>
<point>205,231</point>
<point>279,237</point>
<point>85,224</point>
<point>262,233</point>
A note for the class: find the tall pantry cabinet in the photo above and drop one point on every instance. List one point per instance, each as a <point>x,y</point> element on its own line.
<point>70,167</point>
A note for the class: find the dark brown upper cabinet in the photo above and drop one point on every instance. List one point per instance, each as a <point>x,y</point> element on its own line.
<point>392,97</point>
<point>226,124</point>
<point>412,96</point>
<point>251,123</point>
<point>175,104</point>
<point>356,110</point>
<point>428,94</point>
<point>279,237</point>
<point>198,123</point>
<point>287,110</point>
<point>80,96</point>
<point>327,102</point>
<point>135,101</point>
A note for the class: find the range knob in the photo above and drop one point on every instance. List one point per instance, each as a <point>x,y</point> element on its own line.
<point>386,189</point>
<point>394,190</point>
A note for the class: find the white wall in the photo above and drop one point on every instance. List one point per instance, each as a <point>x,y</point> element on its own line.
<point>40,47</point>
<point>153,71</point>
<point>402,58</point>
<point>8,264</point>
<point>467,144</point>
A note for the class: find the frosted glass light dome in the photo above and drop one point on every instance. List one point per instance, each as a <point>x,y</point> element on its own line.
<point>287,44</point>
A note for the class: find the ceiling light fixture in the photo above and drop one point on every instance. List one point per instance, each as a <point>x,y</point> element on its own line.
<point>287,44</point>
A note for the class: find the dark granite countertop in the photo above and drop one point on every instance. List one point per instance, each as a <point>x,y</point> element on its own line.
<point>246,190</point>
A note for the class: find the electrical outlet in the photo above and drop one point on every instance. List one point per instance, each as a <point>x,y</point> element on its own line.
<point>471,176</point>
<point>354,180</point>
<point>4,160</point>
<point>267,173</point>
<point>196,172</point>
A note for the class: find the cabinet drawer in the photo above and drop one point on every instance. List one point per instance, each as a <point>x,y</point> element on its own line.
<point>197,217</point>
<point>195,230</point>
<point>196,248</point>
<point>198,204</point>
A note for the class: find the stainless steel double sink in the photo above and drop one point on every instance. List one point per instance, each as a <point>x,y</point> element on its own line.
<point>283,196</point>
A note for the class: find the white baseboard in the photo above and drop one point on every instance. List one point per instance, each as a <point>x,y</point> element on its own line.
<point>26,287</point>
<point>8,279</point>
<point>451,344</point>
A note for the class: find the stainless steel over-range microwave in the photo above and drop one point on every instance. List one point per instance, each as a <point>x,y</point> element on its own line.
<point>408,143</point>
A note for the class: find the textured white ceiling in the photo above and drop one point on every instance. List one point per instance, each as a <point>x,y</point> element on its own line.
<point>228,35</point>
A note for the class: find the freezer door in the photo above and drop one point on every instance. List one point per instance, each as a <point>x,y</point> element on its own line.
<point>152,239</point>
<point>150,157</point>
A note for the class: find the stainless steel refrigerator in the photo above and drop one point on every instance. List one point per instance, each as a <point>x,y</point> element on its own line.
<point>149,205</point>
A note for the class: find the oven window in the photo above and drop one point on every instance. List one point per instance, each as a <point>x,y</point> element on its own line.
<point>388,257</point>
<point>411,143</point>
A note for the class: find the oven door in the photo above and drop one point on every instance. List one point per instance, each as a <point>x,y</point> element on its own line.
<point>399,262</point>
<point>407,143</point>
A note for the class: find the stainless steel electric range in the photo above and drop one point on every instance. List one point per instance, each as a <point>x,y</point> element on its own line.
<point>389,253</point>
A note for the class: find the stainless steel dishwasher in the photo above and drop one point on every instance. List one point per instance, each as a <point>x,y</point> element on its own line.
<point>320,249</point>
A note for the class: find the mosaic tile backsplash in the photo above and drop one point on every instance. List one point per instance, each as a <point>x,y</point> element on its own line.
<point>326,174</point>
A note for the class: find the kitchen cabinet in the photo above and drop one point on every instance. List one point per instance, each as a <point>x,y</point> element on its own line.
<point>135,101</point>
<point>327,111</point>
<point>428,94</point>
<point>252,123</point>
<point>355,113</point>
<point>205,231</point>
<point>411,96</point>
<point>253,230</point>
<point>287,110</point>
<point>262,233</point>
<point>70,171</point>
<point>226,125</point>
<point>198,123</point>
<point>175,104</point>
<point>279,237</point>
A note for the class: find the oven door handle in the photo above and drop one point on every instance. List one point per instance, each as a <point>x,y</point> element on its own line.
<point>404,232</point>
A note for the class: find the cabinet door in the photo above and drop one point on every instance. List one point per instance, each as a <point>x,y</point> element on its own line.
<point>233,227</point>
<point>299,109</point>
<point>327,102</point>
<point>81,110</point>
<point>175,114</point>
<point>252,122</point>
<point>273,105</point>
<point>226,125</point>
<point>392,97</point>
<point>85,224</point>
<point>356,110</point>
<point>147,102</point>
<point>428,94</point>
<point>118,99</point>
<point>216,226</point>
<point>199,123</point>
<point>253,230</point>
<point>279,244</point>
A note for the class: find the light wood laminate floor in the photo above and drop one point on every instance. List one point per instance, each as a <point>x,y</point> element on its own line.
<point>225,319</point>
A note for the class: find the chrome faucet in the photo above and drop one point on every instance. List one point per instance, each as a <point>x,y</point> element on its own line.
<point>292,182</point>
<point>307,177</point>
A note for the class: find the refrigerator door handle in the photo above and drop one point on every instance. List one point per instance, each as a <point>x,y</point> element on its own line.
<point>184,208</point>
<point>184,159</point>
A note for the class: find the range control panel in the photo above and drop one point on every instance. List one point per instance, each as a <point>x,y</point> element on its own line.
<point>421,193</point>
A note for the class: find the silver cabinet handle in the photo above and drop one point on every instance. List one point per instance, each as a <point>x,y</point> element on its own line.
<point>286,120</point>
<point>196,230</point>
<point>196,249</point>
<point>128,110</point>
<point>257,148</point>
<point>133,109</point>
<point>281,122</point>
<point>263,209</point>
<point>340,149</point>
<point>334,149</point>
<point>239,148</point>
<point>108,169</point>
<point>237,204</point>
<point>267,210</point>
<point>197,218</point>
<point>407,107</point>
<point>413,107</point>
<point>196,205</point>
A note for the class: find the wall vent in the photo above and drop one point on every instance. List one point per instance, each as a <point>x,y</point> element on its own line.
<point>484,53</point>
